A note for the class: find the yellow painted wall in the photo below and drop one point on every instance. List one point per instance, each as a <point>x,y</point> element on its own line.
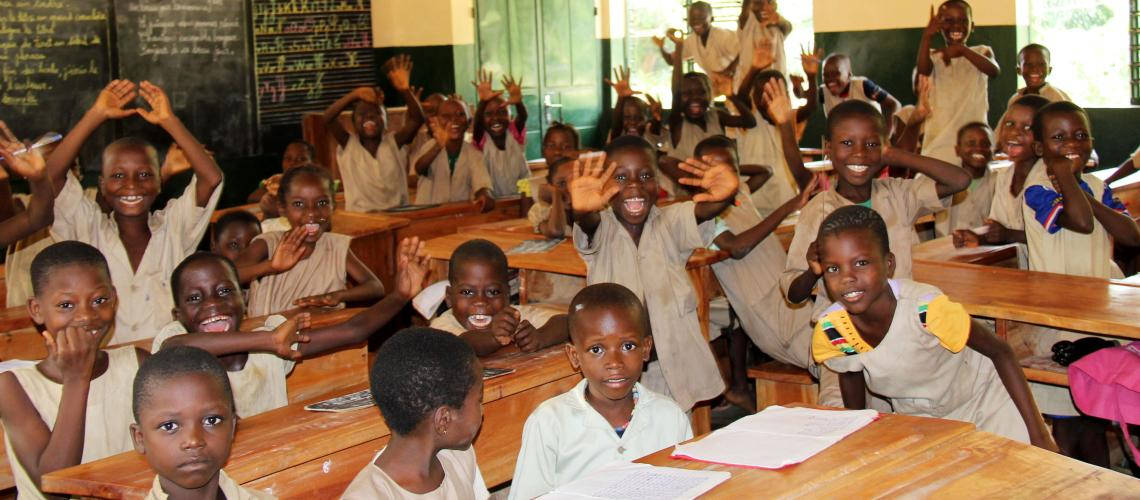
<point>846,15</point>
<point>418,23</point>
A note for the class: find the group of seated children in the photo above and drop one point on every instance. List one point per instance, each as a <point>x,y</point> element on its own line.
<point>840,302</point>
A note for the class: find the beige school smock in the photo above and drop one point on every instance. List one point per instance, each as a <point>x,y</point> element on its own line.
<point>144,294</point>
<point>322,272</point>
<point>536,314</point>
<point>748,35</point>
<point>900,202</point>
<point>1005,209</point>
<point>1053,94</point>
<point>655,271</point>
<point>260,385</point>
<point>373,182</point>
<point>462,480</point>
<point>752,285</point>
<point>714,55</point>
<point>761,145</point>
<point>107,424</point>
<point>506,166</point>
<point>969,208</point>
<point>441,185</point>
<point>854,93</point>
<point>923,364</point>
<point>230,488</point>
<point>960,96</point>
<point>691,135</point>
<point>565,438</point>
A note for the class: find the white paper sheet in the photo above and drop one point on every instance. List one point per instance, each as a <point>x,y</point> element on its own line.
<point>776,437</point>
<point>632,481</point>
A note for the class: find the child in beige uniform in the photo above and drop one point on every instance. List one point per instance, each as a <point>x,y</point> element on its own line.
<point>184,412</point>
<point>141,247</point>
<point>626,239</point>
<point>296,153</point>
<point>450,168</point>
<point>372,163</point>
<point>308,265</point>
<point>431,431</point>
<point>69,408</point>
<point>714,49</point>
<point>551,215</point>
<point>908,342</point>
<point>506,154</point>
<point>210,311</point>
<point>969,208</point>
<point>1033,64</point>
<point>478,293</point>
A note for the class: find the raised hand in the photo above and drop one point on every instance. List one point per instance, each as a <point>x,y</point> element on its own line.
<point>412,267</point>
<point>777,102</point>
<point>291,332</point>
<point>273,184</point>
<point>590,186</point>
<point>768,15</point>
<point>526,337</point>
<point>370,95</point>
<point>659,42</point>
<point>504,325</point>
<point>813,259</point>
<point>113,97</point>
<point>330,299</point>
<point>810,60</point>
<point>655,108</point>
<point>675,35</point>
<point>809,190</point>
<point>763,52</point>
<point>721,83</point>
<point>718,181</point>
<point>290,251</point>
<point>29,164</point>
<point>73,351</point>
<point>159,103</point>
<point>965,238</point>
<point>438,131</point>
<point>175,162</point>
<point>620,83</point>
<point>933,26</point>
<point>399,69</point>
<point>514,89</point>
<point>483,86</point>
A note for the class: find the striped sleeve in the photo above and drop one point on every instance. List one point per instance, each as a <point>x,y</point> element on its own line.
<point>1110,200</point>
<point>1046,205</point>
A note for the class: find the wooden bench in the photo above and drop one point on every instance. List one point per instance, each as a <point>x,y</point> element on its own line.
<point>783,384</point>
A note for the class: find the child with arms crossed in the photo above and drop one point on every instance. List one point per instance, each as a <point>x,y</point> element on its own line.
<point>307,265</point>
<point>908,342</point>
<point>506,159</point>
<point>429,388</point>
<point>141,246</point>
<point>626,239</point>
<point>608,416</point>
<point>69,408</point>
<point>372,162</point>
<point>184,426</point>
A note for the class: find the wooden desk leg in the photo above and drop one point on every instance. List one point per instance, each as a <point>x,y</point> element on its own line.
<point>701,419</point>
<point>525,275</point>
<point>702,416</point>
<point>1001,329</point>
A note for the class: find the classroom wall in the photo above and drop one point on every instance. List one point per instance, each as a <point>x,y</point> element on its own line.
<point>438,34</point>
<point>883,47</point>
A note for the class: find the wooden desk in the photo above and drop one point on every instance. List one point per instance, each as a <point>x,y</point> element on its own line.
<point>943,250</point>
<point>448,218</point>
<point>299,454</point>
<point>899,455</point>
<point>13,318</point>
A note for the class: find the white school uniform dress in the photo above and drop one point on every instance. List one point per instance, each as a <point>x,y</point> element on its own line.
<point>565,438</point>
<point>462,480</point>
<point>691,135</point>
<point>747,36</point>
<point>714,55</point>
<point>373,182</point>
<point>260,385</point>
<point>19,255</point>
<point>922,364</point>
<point>969,208</point>
<point>654,270</point>
<point>144,294</point>
<point>761,145</point>
<point>857,91</point>
<point>230,488</point>
<point>960,96</point>
<point>1053,94</point>
<point>442,185</point>
<point>506,166</point>
<point>1005,209</point>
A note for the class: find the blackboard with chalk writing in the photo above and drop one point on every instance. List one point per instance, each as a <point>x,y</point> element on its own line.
<point>307,54</point>
<point>54,59</point>
<point>198,51</point>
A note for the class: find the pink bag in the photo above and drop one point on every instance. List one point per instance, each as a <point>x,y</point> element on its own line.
<point>1106,384</point>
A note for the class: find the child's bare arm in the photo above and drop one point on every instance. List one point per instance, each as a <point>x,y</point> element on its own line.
<point>515,98</point>
<point>779,107</point>
<point>743,120</point>
<point>1128,167</point>
<point>924,63</point>
<point>555,225</point>
<point>758,175</point>
<point>485,92</point>
<point>739,245</point>
<point>279,341</point>
<point>854,390</point>
<point>949,178</point>
<point>1001,354</point>
<point>400,74</point>
<point>801,287</point>
<point>332,113</point>
<point>108,106</point>
<point>255,262</point>
<point>985,63</point>
<point>590,192</point>
<point>208,175</point>
<point>439,134</point>
<point>1118,224</point>
<point>1076,214</point>
<point>530,339</point>
<point>674,35</point>
<point>39,213</point>
<point>676,115</point>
